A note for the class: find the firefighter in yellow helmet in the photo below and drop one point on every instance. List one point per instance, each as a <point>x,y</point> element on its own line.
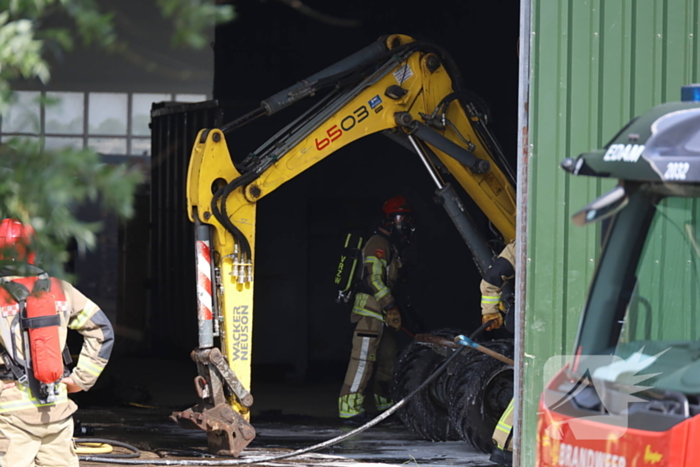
<point>501,271</point>
<point>376,314</point>
<point>36,312</point>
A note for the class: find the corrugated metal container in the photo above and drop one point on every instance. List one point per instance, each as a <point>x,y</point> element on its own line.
<point>594,65</point>
<point>174,127</point>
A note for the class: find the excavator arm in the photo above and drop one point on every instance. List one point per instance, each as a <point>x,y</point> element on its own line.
<point>404,88</point>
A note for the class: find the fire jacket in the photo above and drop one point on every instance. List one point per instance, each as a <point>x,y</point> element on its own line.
<point>381,271</point>
<point>76,312</point>
<point>502,269</point>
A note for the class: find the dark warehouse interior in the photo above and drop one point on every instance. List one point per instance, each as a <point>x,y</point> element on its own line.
<point>301,336</point>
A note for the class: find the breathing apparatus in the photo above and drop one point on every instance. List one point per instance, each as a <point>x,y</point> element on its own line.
<point>31,304</point>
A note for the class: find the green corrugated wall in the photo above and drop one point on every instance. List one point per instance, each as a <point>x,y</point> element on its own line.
<point>594,65</point>
<point>662,288</point>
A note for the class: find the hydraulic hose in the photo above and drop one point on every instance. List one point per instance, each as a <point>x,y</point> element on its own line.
<point>221,214</point>
<point>245,119</point>
<point>315,447</point>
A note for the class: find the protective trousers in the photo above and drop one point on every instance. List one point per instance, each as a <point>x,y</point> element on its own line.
<point>503,434</point>
<point>372,344</point>
<point>48,444</point>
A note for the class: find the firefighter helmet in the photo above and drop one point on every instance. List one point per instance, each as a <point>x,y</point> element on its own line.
<point>399,219</point>
<point>16,236</point>
<point>397,204</point>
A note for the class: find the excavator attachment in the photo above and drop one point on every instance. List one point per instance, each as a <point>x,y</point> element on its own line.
<point>225,402</point>
<point>228,433</point>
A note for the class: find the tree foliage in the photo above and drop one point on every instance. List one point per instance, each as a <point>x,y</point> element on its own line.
<point>42,187</point>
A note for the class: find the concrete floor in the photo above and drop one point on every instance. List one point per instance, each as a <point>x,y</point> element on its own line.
<point>389,443</point>
<point>286,417</point>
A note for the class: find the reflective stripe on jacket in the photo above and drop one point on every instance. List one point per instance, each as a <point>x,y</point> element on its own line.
<point>381,271</point>
<point>26,400</point>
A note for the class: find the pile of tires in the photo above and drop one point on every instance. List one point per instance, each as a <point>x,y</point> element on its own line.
<point>465,402</point>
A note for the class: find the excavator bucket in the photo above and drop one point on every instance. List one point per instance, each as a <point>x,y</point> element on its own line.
<point>228,433</point>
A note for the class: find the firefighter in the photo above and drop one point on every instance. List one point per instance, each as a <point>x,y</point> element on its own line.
<point>36,415</point>
<point>376,315</point>
<point>501,271</point>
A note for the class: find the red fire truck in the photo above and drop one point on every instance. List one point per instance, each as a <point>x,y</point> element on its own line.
<point>631,395</point>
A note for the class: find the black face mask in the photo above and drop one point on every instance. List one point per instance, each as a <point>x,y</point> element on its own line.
<point>403,229</point>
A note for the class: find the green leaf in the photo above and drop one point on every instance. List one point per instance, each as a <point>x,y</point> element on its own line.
<point>192,18</point>
<point>43,188</point>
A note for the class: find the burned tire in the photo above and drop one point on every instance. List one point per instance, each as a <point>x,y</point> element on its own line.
<point>427,412</point>
<point>479,395</point>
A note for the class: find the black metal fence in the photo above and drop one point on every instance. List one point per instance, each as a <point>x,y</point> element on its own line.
<point>174,126</point>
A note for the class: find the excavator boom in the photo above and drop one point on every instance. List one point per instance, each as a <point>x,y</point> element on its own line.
<point>406,89</point>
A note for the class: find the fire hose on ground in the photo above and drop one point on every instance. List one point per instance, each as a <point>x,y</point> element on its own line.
<point>459,344</point>
<point>105,446</point>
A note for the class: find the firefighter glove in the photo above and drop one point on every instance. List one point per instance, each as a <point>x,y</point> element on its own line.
<point>392,317</point>
<point>498,320</point>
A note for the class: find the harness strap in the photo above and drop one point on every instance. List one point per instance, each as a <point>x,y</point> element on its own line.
<point>18,291</point>
<point>40,322</point>
<point>67,359</point>
<point>43,284</point>
<point>17,372</point>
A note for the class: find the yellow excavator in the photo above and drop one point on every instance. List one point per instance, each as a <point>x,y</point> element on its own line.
<point>409,90</point>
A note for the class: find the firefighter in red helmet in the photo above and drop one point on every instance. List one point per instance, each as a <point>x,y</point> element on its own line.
<point>17,237</point>
<point>36,312</point>
<point>375,313</point>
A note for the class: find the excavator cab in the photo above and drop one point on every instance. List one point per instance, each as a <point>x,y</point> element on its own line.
<point>631,394</point>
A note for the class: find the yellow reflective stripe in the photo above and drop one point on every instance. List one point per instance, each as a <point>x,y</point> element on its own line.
<point>20,404</point>
<point>504,428</point>
<point>359,307</point>
<point>364,312</point>
<point>502,425</point>
<point>382,403</point>
<point>90,367</point>
<point>376,277</point>
<point>360,300</point>
<point>508,410</point>
<point>490,298</point>
<point>376,261</point>
<point>350,405</point>
<point>79,320</point>
<point>355,399</point>
<point>381,293</point>
<point>28,401</point>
